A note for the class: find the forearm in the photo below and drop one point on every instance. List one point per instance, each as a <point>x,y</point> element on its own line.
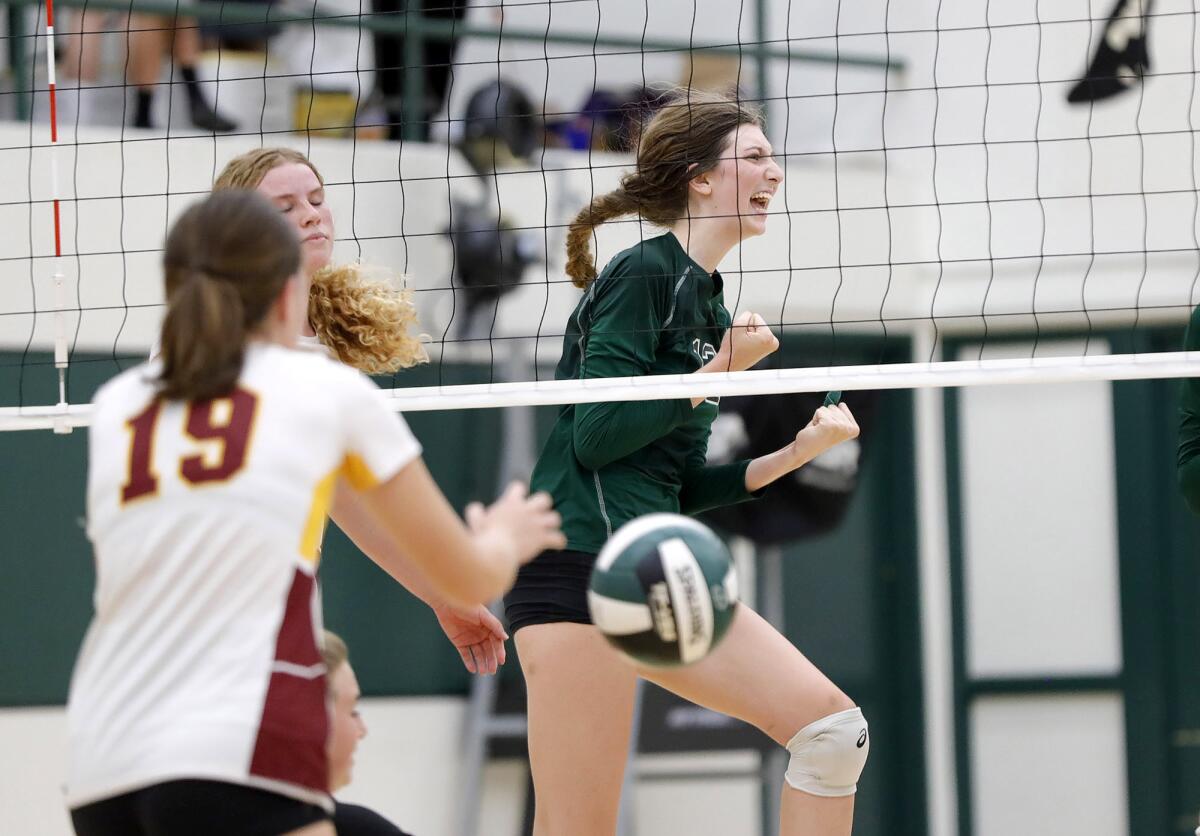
<point>774,466</point>
<point>352,517</point>
<point>449,563</point>
<point>713,486</point>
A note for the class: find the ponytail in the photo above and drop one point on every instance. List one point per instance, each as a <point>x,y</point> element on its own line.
<point>685,138</point>
<point>225,263</point>
<point>203,339</point>
<point>581,265</point>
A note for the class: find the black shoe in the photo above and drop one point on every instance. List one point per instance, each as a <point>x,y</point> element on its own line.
<point>1122,57</point>
<point>205,118</point>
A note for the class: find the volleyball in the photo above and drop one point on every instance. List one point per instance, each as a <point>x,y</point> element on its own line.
<point>663,590</point>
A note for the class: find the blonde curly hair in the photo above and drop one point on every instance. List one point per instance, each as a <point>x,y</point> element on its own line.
<point>364,319</point>
<point>355,311</point>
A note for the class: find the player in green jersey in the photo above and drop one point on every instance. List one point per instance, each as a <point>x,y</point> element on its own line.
<point>706,173</point>
<point>1189,424</point>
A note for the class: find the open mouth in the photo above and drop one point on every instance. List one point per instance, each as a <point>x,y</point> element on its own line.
<point>760,200</point>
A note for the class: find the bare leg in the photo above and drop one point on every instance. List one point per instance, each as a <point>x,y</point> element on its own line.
<point>149,37</point>
<point>760,677</point>
<point>81,52</point>
<point>187,42</point>
<point>580,712</point>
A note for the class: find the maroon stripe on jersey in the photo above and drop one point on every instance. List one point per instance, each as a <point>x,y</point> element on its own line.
<point>290,745</point>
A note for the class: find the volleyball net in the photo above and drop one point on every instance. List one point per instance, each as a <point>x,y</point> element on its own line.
<point>975,193</point>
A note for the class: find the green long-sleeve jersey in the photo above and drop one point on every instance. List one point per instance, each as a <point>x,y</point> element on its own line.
<point>1189,424</point>
<point>653,310</point>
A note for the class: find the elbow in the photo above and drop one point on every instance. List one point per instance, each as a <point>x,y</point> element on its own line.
<point>589,458</point>
<point>589,451</point>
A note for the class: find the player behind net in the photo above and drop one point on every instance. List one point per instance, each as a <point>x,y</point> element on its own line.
<point>197,704</point>
<point>706,173</point>
<point>362,319</point>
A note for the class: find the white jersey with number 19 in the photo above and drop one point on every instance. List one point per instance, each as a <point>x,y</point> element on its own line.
<point>206,517</point>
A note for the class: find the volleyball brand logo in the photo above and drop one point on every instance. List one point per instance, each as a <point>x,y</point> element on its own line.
<point>663,613</point>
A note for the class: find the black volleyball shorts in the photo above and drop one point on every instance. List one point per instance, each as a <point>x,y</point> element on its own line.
<point>549,589</point>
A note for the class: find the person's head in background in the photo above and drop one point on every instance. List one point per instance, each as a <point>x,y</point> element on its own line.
<point>232,274</point>
<point>359,315</point>
<point>702,158</point>
<point>346,726</point>
<point>292,183</point>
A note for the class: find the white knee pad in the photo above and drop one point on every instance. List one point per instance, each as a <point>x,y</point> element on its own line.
<point>828,755</point>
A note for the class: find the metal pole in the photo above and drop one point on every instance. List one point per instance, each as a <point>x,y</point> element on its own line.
<point>760,57</point>
<point>413,106</point>
<point>770,607</point>
<point>18,61</point>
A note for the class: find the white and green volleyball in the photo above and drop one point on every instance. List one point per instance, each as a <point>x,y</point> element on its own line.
<point>663,590</point>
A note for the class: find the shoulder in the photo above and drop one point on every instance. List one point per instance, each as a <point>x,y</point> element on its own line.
<point>306,369</point>
<point>650,259</point>
<point>647,270</point>
<point>128,388</point>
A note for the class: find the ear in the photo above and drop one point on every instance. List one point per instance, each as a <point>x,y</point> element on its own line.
<point>701,184</point>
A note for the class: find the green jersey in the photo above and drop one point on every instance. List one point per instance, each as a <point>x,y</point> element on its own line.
<point>653,310</point>
<point>1189,424</point>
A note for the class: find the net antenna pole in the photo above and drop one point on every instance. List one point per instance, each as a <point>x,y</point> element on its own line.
<point>61,426</point>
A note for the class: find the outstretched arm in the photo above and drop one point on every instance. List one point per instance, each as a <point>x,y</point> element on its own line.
<point>476,633</point>
<point>830,426</point>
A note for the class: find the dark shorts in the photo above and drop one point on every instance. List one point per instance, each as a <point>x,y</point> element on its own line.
<point>195,808</point>
<point>551,588</point>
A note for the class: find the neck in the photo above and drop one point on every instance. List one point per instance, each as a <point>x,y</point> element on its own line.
<point>275,332</point>
<point>703,240</point>
<point>306,330</point>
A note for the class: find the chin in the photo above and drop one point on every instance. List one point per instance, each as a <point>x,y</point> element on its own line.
<point>753,226</point>
<point>315,262</point>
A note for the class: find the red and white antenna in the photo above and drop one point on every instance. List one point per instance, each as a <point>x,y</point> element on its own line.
<point>60,292</point>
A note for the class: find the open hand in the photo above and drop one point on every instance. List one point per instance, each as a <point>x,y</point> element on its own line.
<point>476,634</point>
<point>527,522</point>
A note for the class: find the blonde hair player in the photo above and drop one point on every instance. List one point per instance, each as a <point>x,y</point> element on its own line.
<point>706,173</point>
<point>197,704</point>
<point>366,323</point>
<point>346,729</point>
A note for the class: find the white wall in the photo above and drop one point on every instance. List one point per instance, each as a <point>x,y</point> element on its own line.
<point>408,769</point>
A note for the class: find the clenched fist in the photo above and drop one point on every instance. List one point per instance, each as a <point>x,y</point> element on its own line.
<point>830,426</point>
<point>746,342</point>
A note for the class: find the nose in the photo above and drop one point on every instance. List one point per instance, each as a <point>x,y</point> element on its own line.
<point>362,727</point>
<point>309,216</point>
<point>775,172</point>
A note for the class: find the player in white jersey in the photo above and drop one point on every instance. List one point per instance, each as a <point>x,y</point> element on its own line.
<point>365,323</point>
<point>198,701</point>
